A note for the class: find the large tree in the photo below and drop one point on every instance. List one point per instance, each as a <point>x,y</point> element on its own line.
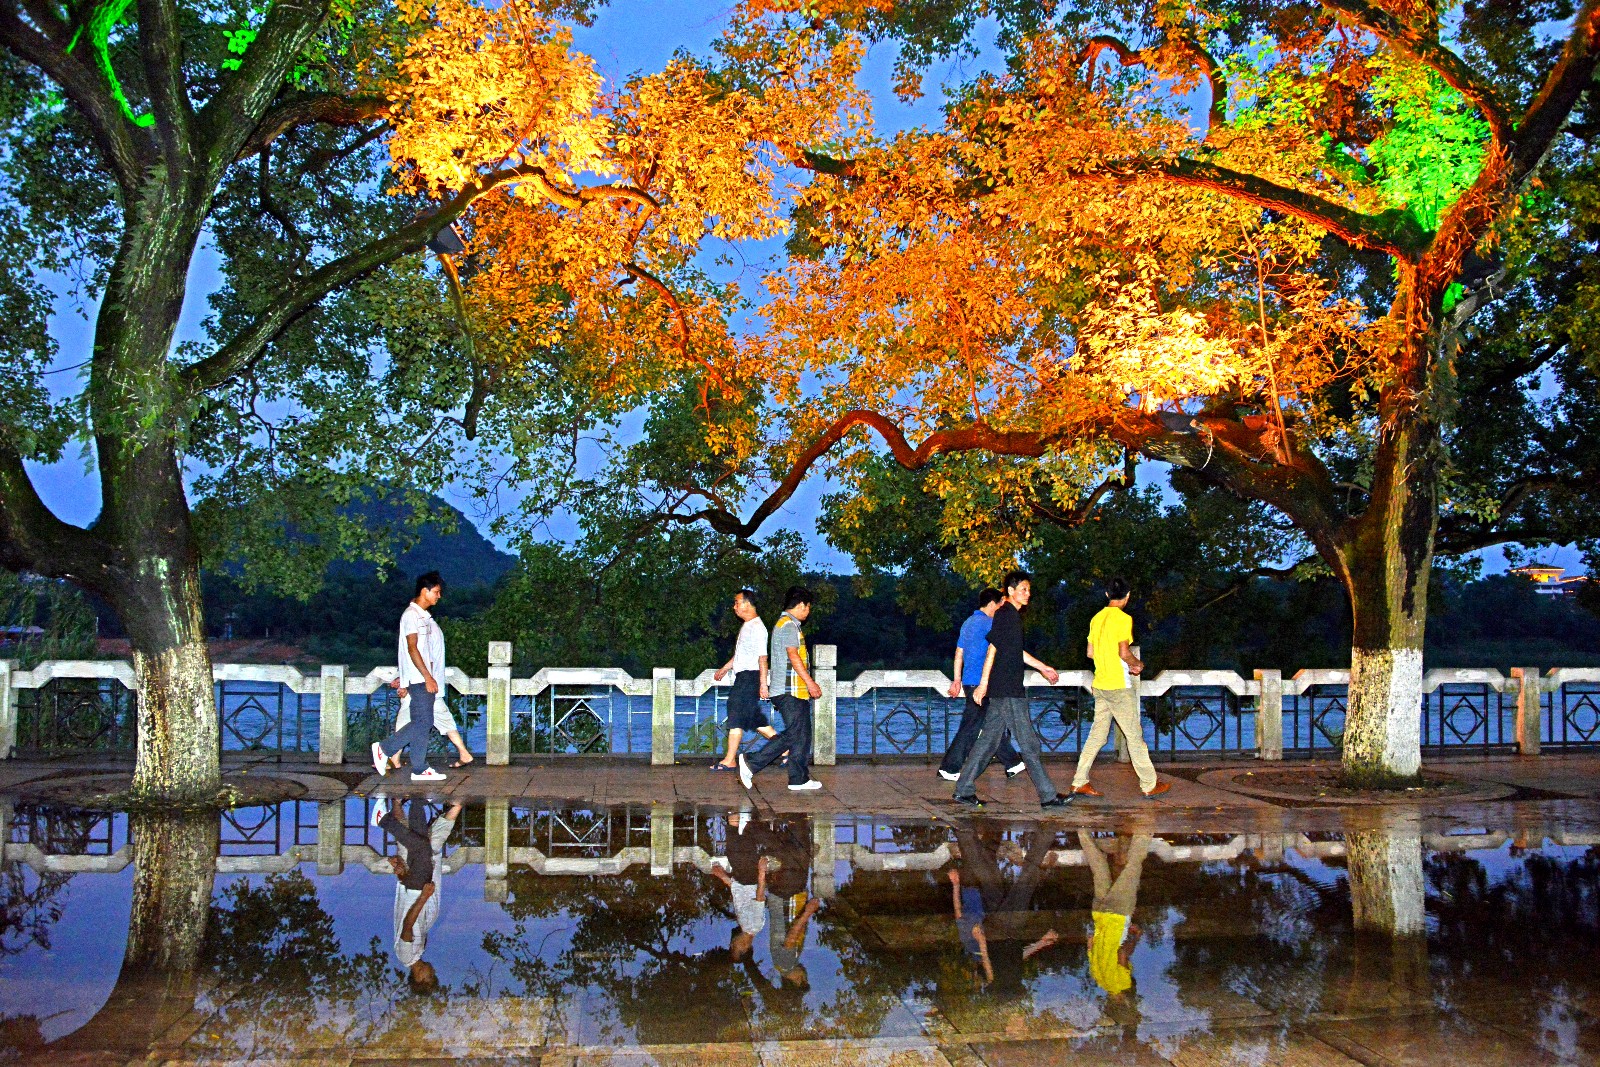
<point>1248,239</point>
<point>312,150</point>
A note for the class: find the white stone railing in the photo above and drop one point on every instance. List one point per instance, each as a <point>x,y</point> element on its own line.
<point>333,685</point>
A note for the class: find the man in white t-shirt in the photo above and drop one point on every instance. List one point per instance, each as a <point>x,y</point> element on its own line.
<point>421,655</point>
<point>749,667</point>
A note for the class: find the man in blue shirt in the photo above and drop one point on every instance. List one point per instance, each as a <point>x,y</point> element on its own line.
<point>972,647</point>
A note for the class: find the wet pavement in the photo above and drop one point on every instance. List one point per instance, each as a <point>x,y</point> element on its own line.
<point>609,925</point>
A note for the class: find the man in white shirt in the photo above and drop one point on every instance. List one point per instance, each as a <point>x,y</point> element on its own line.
<point>421,678</point>
<point>749,667</point>
<point>419,870</point>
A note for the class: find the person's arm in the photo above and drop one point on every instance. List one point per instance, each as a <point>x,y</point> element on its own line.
<point>983,684</point>
<point>798,665</point>
<point>1042,667</point>
<point>408,928</point>
<point>955,890</point>
<point>761,878</point>
<point>797,929</point>
<point>955,673</point>
<point>1135,664</point>
<point>721,875</point>
<point>722,671</point>
<point>1050,937</point>
<point>761,672</point>
<point>421,664</point>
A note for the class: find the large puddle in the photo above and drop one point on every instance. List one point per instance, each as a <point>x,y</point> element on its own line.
<point>509,930</point>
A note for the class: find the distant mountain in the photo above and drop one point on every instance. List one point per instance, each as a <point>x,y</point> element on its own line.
<point>465,558</point>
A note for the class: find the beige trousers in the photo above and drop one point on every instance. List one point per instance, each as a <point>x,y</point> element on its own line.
<point>1121,705</point>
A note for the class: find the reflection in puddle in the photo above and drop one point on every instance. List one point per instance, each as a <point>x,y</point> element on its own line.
<point>507,929</point>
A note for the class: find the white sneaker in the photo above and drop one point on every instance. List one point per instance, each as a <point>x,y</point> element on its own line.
<point>949,776</point>
<point>429,775</point>
<point>1012,772</point>
<point>380,762</point>
<point>746,778</point>
<point>806,786</point>
<point>380,808</point>
<point>744,820</point>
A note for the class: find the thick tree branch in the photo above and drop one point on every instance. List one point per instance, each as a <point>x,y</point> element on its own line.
<point>231,117</point>
<point>977,437</point>
<point>239,354</point>
<point>575,199</point>
<point>1080,511</point>
<point>681,319</point>
<point>1573,73</point>
<point>1422,44</point>
<point>312,108</point>
<point>1243,580</point>
<point>33,539</point>
<point>161,50</point>
<point>45,48</point>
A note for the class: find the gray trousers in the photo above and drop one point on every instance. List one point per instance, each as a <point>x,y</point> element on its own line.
<point>1003,714</point>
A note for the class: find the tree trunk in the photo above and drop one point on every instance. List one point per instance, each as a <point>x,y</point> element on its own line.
<point>157,596</point>
<point>1384,558</point>
<point>1387,902</point>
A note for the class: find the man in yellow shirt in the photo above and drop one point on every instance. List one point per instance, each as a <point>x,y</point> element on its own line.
<point>1114,935</point>
<point>1116,694</point>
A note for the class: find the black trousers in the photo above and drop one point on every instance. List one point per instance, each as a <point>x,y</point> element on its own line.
<point>795,740</point>
<point>967,734</point>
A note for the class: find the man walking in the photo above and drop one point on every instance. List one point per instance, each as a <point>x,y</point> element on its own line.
<point>793,690</point>
<point>1007,709</point>
<point>421,676</point>
<point>1116,694</point>
<point>972,648</point>
<point>749,667</point>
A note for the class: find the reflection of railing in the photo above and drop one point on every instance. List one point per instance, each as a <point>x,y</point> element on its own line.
<point>501,836</point>
<point>62,707</point>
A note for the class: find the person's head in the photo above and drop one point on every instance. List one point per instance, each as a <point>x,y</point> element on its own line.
<point>796,977</point>
<point>1019,588</point>
<point>739,944</point>
<point>1117,592</point>
<point>989,601</point>
<point>430,587</point>
<point>422,978</point>
<point>797,602</point>
<point>744,604</point>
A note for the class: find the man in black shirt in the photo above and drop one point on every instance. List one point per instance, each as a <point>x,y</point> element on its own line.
<point>1008,700</point>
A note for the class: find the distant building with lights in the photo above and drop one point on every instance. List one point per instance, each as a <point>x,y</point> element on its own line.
<point>1551,581</point>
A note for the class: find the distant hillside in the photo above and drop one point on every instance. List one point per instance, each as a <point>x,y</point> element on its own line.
<point>465,558</point>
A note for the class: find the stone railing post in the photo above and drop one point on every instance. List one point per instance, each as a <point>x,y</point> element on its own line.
<point>1529,710</point>
<point>8,711</point>
<point>497,705</point>
<point>663,717</point>
<point>660,839</point>
<point>496,849</point>
<point>825,712</point>
<point>1269,715</point>
<point>330,836</point>
<point>330,742</point>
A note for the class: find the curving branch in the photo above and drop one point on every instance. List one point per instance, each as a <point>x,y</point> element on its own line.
<point>230,118</point>
<point>239,354</point>
<point>576,198</point>
<point>1203,59</point>
<point>309,109</point>
<point>974,438</point>
<point>1422,44</point>
<point>1573,73</point>
<point>41,40</point>
<point>33,539</point>
<point>1080,511</point>
<point>682,320</point>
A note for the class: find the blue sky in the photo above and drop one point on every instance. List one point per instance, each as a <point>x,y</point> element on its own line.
<point>626,37</point>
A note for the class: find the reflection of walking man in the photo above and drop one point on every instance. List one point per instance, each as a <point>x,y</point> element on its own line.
<point>1116,694</point>
<point>991,919</point>
<point>972,649</point>
<point>1002,685</point>
<point>1113,933</point>
<point>418,866</point>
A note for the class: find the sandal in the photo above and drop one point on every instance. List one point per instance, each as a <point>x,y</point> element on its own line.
<point>458,764</point>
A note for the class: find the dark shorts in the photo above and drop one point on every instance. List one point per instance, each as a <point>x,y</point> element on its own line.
<point>744,702</point>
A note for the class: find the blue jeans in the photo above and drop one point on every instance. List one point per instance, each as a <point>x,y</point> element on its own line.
<point>414,734</point>
<point>795,739</point>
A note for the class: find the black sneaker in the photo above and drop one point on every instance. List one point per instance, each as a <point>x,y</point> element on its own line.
<point>968,802</point>
<point>1060,800</point>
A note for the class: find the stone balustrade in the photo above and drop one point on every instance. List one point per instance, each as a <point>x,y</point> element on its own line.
<point>1264,694</point>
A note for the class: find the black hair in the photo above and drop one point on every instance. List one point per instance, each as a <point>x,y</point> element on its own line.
<point>1016,578</point>
<point>989,596</point>
<point>1116,588</point>
<point>797,595</point>
<point>430,580</point>
<point>749,596</point>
